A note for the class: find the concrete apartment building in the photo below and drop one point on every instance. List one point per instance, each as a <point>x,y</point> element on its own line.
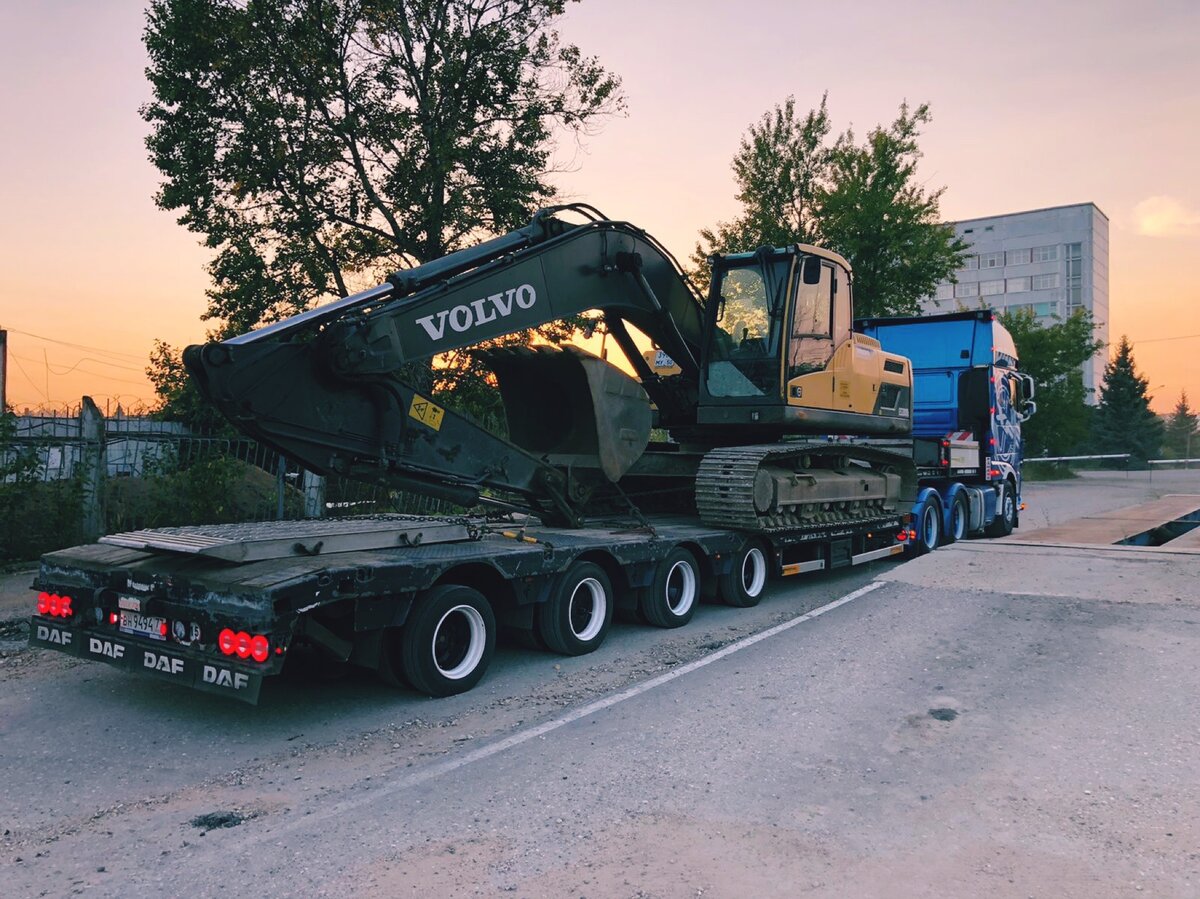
<point>1052,261</point>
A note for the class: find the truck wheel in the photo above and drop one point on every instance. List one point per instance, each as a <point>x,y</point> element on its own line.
<point>672,598</point>
<point>1007,519</point>
<point>575,620</point>
<point>959,517</point>
<point>742,586</point>
<point>929,527</point>
<point>448,640</point>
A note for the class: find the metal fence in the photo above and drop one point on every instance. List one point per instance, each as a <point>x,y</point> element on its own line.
<point>124,473</point>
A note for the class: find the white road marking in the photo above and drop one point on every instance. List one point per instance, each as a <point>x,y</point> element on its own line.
<point>524,736</point>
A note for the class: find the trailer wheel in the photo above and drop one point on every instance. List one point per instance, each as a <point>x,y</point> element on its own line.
<point>447,642</point>
<point>959,518</point>
<point>575,620</point>
<point>742,586</point>
<point>929,527</point>
<point>1007,519</point>
<point>671,600</point>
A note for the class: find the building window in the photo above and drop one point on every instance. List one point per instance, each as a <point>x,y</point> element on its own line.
<point>944,292</point>
<point>1045,282</point>
<point>991,288</point>
<point>991,260</point>
<point>1074,276</point>
<point>970,263</point>
<point>967,289</point>
<point>1045,254</point>
<point>1018,257</point>
<point>1017,285</point>
<point>1045,309</point>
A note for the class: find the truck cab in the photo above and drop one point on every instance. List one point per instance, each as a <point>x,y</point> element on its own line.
<point>969,400</point>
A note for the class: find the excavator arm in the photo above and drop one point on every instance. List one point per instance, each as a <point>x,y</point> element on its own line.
<point>323,386</point>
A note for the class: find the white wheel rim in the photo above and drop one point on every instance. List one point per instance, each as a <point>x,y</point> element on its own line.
<point>476,638</point>
<point>754,571</point>
<point>929,527</point>
<point>960,521</point>
<point>1010,509</point>
<point>682,576</point>
<point>593,593</point>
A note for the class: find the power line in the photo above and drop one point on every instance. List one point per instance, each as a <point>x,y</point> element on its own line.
<point>1160,339</point>
<point>82,371</point>
<point>32,382</point>
<point>90,359</point>
<point>78,346</point>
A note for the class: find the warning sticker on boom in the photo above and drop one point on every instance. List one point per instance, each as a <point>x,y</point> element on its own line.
<point>426,412</point>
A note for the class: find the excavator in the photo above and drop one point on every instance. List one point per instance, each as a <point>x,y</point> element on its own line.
<point>746,383</point>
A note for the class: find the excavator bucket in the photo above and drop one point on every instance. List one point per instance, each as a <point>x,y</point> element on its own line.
<point>565,402</point>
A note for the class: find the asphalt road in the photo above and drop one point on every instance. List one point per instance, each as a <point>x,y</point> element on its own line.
<point>956,728</point>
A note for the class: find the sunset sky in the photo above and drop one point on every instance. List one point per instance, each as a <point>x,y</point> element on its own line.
<point>1034,105</point>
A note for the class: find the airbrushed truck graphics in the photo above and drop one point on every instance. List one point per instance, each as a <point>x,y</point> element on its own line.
<point>587,514</point>
<point>969,401</point>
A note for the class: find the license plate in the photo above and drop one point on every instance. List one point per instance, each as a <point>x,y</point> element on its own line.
<point>143,625</point>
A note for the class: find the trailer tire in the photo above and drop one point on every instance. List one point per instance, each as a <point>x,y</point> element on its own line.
<point>672,598</point>
<point>929,527</point>
<point>575,619</point>
<point>743,584</point>
<point>1007,519</point>
<point>959,520</point>
<point>448,640</point>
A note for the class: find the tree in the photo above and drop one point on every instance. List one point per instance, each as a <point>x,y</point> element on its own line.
<point>862,200</point>
<point>781,163</point>
<point>318,145</point>
<point>1181,435</point>
<point>1124,421</point>
<point>1053,354</point>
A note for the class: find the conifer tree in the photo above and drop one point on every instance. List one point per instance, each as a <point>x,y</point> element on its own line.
<point>1124,421</point>
<point>1181,437</point>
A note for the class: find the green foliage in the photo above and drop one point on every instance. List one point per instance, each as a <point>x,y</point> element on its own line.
<point>179,400</point>
<point>318,145</point>
<point>35,516</point>
<point>212,489</point>
<point>862,200</point>
<point>1181,437</point>
<point>1047,471</point>
<point>1053,355</point>
<point>1124,421</point>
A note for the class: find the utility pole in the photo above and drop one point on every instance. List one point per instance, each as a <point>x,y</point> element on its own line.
<point>3,371</point>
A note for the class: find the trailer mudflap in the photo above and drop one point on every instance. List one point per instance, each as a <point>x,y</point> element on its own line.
<point>166,662</point>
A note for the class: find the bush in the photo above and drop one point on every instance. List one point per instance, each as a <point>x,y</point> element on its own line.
<point>214,490</point>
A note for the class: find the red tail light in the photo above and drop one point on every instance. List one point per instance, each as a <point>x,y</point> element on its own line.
<point>113,617</point>
<point>162,629</point>
<point>244,645</point>
<point>902,536</point>
<point>54,605</point>
<point>260,649</point>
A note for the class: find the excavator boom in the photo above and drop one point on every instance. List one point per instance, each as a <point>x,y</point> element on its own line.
<point>323,386</point>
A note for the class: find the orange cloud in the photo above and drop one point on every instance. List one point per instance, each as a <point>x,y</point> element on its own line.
<point>1165,217</point>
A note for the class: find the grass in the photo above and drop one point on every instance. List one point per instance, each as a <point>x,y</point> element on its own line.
<point>1047,471</point>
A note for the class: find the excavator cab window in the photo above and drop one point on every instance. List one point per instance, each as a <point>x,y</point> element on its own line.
<point>811,342</point>
<point>745,351</point>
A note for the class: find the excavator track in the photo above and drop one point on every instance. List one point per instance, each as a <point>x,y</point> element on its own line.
<point>727,478</point>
